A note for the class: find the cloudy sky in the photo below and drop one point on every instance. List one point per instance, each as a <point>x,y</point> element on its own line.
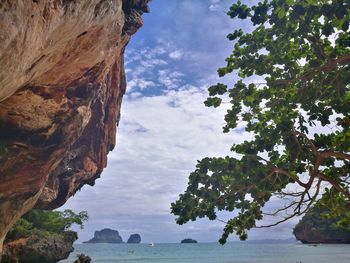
<point>165,127</point>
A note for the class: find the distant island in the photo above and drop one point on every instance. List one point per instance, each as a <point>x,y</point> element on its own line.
<point>188,241</point>
<point>134,239</point>
<point>106,235</point>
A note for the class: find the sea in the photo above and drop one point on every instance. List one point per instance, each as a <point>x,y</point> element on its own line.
<point>234,252</point>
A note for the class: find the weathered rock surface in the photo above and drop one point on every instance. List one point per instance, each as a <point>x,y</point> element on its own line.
<point>134,239</point>
<point>83,259</point>
<point>43,250</point>
<point>313,228</point>
<point>106,235</point>
<point>61,86</point>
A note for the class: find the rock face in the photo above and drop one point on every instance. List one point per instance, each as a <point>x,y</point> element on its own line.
<point>106,236</point>
<point>313,228</point>
<point>188,240</point>
<point>83,259</point>
<point>61,87</point>
<point>134,239</point>
<point>43,250</point>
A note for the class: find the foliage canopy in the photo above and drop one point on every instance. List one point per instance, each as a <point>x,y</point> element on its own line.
<point>43,223</point>
<point>298,116</point>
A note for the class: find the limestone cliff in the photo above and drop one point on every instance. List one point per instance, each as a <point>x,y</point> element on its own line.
<point>61,86</point>
<point>106,235</point>
<point>134,239</point>
<point>314,227</point>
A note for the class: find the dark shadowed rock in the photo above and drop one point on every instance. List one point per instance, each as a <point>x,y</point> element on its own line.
<point>83,259</point>
<point>39,250</point>
<point>188,240</point>
<point>134,239</point>
<point>314,228</point>
<point>106,236</point>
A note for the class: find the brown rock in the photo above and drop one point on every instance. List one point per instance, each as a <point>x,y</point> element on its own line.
<point>61,85</point>
<point>314,227</point>
<point>50,249</point>
<point>83,259</point>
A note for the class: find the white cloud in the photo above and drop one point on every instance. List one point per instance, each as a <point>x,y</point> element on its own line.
<point>139,83</point>
<point>176,54</point>
<point>214,7</point>
<point>159,140</point>
<point>170,79</point>
<point>151,63</point>
<point>164,132</point>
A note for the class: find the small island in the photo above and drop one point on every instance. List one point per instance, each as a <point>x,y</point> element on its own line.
<point>106,235</point>
<point>134,239</point>
<point>188,241</point>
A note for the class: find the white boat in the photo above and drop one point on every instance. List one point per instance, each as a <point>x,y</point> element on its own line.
<point>151,244</point>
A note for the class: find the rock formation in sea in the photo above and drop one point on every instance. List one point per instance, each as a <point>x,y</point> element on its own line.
<point>188,240</point>
<point>61,86</point>
<point>48,249</point>
<point>106,235</point>
<point>134,239</point>
<point>83,259</point>
<point>315,228</point>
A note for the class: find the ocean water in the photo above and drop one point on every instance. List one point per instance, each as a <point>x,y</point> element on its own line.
<point>235,252</point>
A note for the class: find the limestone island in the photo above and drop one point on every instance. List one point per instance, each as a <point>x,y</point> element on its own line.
<point>134,239</point>
<point>188,241</point>
<point>313,228</point>
<point>106,235</point>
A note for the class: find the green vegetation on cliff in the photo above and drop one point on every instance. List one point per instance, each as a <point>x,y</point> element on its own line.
<point>42,223</point>
<point>293,96</point>
<point>319,226</point>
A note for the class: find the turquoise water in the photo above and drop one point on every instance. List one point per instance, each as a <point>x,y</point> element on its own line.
<point>235,252</point>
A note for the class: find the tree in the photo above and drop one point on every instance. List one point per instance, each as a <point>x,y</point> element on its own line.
<point>44,223</point>
<point>298,116</point>
<point>55,221</point>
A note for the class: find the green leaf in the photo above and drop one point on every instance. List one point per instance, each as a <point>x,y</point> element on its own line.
<point>306,90</point>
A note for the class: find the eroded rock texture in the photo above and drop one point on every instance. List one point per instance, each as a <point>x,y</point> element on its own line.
<point>61,86</point>
<point>48,249</point>
<point>314,227</point>
<point>106,235</point>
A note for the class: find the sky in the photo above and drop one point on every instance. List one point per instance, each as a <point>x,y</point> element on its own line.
<point>165,127</point>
